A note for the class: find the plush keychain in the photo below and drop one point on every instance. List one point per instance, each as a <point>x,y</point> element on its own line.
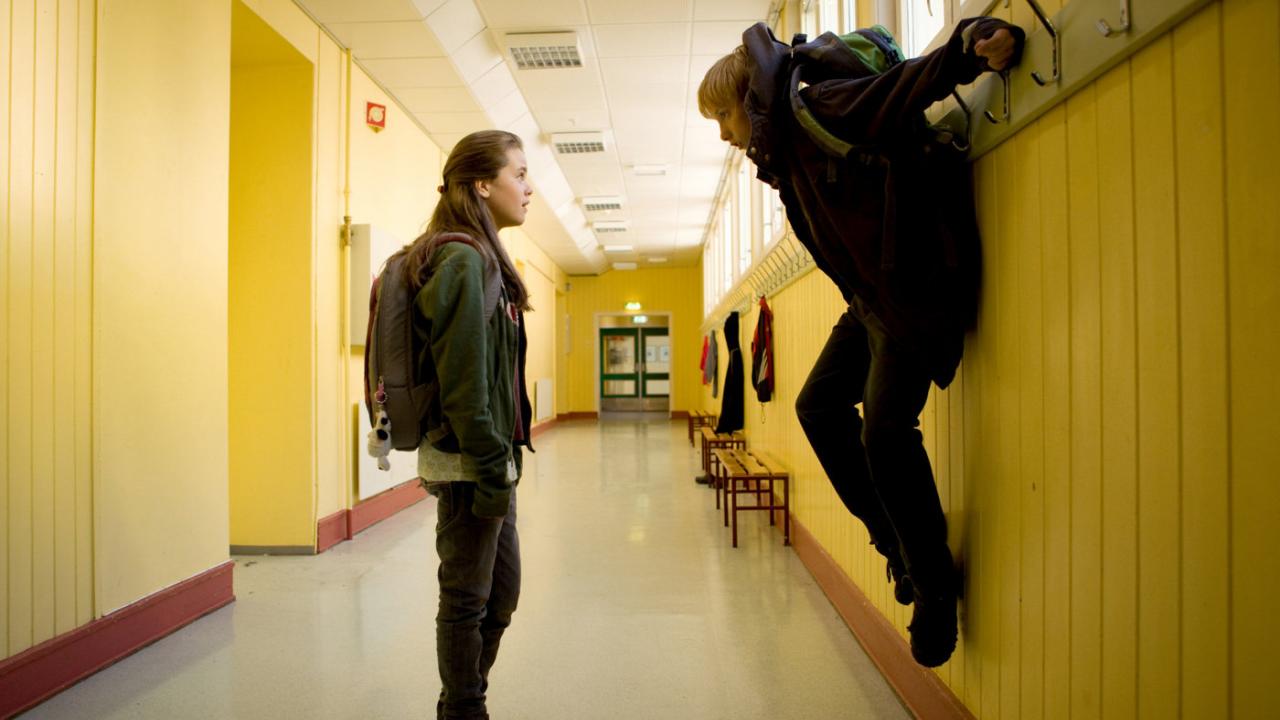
<point>380,436</point>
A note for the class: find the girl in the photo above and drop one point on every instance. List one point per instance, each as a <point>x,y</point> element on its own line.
<point>469,322</point>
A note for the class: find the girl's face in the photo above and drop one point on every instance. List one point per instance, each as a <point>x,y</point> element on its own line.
<point>508,194</point>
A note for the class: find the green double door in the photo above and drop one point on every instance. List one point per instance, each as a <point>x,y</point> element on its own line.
<point>635,369</point>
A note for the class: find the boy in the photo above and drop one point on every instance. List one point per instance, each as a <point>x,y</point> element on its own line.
<point>887,213</point>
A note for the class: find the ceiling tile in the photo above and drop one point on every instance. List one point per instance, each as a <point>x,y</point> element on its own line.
<point>476,57</point>
<point>653,71</point>
<point>456,22</point>
<point>388,39</point>
<point>413,72</point>
<point>751,10</point>
<point>642,40</point>
<point>604,12</point>
<point>446,99</point>
<point>447,122</point>
<point>341,11</point>
<point>717,38</point>
<point>509,14</point>
<point>493,86</point>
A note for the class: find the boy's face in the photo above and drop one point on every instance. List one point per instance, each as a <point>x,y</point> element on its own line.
<point>735,129</point>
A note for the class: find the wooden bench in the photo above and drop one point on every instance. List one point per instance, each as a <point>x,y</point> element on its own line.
<point>752,472</point>
<point>711,441</point>
<point>699,419</point>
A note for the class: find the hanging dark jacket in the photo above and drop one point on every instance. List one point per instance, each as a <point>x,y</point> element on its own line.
<point>731,410</point>
<point>762,354</point>
<point>892,222</point>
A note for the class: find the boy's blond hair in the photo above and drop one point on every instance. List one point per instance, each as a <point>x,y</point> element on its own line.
<point>725,83</point>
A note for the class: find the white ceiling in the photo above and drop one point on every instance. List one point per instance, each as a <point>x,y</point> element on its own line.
<point>445,61</point>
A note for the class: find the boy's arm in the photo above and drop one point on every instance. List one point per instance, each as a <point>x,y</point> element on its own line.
<point>873,109</point>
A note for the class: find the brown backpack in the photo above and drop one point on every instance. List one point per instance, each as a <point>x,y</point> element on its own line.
<point>396,398</point>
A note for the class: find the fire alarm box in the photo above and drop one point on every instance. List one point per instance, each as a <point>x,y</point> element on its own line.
<point>376,116</point>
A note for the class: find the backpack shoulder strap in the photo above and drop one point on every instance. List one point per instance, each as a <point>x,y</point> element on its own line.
<point>492,275</point>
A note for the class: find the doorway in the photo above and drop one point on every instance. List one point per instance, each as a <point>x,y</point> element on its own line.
<point>635,364</point>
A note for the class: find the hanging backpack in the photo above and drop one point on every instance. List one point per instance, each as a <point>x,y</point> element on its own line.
<point>395,396</point>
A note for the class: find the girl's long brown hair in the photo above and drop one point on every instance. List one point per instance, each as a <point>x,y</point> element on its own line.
<point>478,156</point>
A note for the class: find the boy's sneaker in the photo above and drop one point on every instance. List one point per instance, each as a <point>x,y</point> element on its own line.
<point>904,590</point>
<point>933,629</point>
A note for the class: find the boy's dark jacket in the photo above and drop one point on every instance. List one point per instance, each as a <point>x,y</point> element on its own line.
<point>893,222</point>
<point>480,364</point>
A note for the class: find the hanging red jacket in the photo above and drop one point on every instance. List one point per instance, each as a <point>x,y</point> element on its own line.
<point>762,354</point>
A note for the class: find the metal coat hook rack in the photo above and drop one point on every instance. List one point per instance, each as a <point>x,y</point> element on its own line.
<point>1057,46</point>
<point>1105,28</point>
<point>1004,116</point>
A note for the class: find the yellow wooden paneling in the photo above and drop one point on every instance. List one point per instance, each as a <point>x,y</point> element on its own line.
<point>44,159</point>
<point>1251,81</point>
<point>1085,562</point>
<point>1119,404</point>
<point>1029,358</point>
<point>1007,470</point>
<point>21,329</point>
<point>46,152</point>
<point>64,272</point>
<point>85,596</point>
<point>1202,295</point>
<point>1156,259</point>
<point>1056,493</point>
<point>6,338</point>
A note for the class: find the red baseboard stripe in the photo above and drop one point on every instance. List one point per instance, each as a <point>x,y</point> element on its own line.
<point>35,675</point>
<point>542,427</point>
<point>921,690</point>
<point>332,530</point>
<point>370,512</point>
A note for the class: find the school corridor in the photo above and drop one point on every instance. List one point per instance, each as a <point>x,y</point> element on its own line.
<point>633,606</point>
<point>196,196</point>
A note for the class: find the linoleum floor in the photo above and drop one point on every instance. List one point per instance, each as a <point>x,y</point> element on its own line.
<point>634,607</point>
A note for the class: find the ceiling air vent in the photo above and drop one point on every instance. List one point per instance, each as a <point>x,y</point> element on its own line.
<point>533,51</point>
<point>601,203</point>
<point>578,143</point>
<point>610,226</point>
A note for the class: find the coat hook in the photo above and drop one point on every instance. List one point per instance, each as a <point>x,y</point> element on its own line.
<point>1057,48</point>
<point>1105,28</point>
<point>968,123</point>
<point>1004,117</point>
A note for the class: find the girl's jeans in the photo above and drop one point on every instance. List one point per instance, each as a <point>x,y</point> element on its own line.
<point>876,461</point>
<point>479,586</point>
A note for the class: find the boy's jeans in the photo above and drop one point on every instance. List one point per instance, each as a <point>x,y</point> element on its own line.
<point>479,586</point>
<point>876,462</point>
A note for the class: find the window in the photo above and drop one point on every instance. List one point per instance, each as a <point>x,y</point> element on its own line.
<point>745,243</point>
<point>809,18</point>
<point>921,21</point>
<point>850,16</point>
<point>771,216</point>
<point>726,245</point>
<point>828,17</point>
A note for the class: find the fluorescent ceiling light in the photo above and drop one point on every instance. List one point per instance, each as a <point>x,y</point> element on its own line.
<point>532,51</point>
<point>618,248</point>
<point>657,259</point>
<point>624,266</point>
<point>649,169</point>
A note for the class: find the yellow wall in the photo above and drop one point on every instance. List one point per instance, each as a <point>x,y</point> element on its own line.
<point>46,493</point>
<point>270,316</point>
<point>1106,455</point>
<point>677,291</point>
<point>541,277</point>
<point>160,295</point>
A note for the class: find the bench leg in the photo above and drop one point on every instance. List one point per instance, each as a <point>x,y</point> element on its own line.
<point>734,493</point>
<point>786,511</point>
<point>771,503</point>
